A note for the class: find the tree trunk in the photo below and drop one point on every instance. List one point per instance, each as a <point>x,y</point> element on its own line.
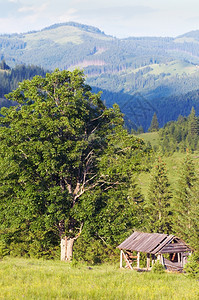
<point>67,248</point>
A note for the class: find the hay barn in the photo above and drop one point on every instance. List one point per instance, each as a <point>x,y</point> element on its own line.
<point>156,246</point>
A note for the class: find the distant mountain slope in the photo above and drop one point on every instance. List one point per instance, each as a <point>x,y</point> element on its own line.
<point>153,67</point>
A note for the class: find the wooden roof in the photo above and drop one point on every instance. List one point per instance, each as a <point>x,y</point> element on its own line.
<point>154,243</point>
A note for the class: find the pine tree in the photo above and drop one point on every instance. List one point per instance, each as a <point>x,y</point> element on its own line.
<point>193,123</point>
<point>154,124</point>
<point>159,199</point>
<point>193,130</point>
<point>193,236</point>
<point>186,204</point>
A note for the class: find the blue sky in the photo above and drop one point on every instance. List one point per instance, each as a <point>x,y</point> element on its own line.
<point>120,18</point>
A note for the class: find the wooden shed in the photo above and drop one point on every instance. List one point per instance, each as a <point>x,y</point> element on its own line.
<point>156,246</point>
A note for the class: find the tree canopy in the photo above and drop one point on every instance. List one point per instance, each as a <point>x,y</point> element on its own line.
<point>61,149</point>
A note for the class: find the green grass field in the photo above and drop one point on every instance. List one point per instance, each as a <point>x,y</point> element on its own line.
<point>38,279</point>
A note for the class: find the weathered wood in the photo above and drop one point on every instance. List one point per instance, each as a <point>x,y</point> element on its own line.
<point>173,257</point>
<point>160,258</point>
<point>153,243</point>
<point>127,261</point>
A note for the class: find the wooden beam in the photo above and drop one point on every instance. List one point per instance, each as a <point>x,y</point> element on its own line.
<point>126,260</point>
<point>179,260</point>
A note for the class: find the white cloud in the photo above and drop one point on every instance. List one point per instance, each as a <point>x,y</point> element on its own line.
<point>68,16</point>
<point>34,9</point>
<point>120,18</point>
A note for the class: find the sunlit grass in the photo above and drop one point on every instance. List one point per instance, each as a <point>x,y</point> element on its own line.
<point>38,279</point>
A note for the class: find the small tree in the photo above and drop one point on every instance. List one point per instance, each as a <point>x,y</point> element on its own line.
<point>154,124</point>
<point>159,200</point>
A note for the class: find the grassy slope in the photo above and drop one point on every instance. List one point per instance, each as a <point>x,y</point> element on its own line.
<point>173,164</point>
<point>62,35</point>
<point>36,279</point>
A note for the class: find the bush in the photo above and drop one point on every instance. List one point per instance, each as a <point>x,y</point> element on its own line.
<point>192,266</point>
<point>3,249</point>
<point>94,251</point>
<point>158,268</point>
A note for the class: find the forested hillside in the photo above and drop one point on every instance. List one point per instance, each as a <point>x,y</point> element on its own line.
<point>10,77</point>
<point>143,74</point>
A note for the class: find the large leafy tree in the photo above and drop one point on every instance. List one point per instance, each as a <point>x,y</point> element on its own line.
<point>51,144</point>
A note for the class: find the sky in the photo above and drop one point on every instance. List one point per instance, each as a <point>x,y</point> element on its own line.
<point>119,18</point>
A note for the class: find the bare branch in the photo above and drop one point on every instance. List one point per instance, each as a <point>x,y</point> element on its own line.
<point>80,231</point>
<point>26,157</point>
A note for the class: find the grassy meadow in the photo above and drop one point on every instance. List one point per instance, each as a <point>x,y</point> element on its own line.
<point>38,279</point>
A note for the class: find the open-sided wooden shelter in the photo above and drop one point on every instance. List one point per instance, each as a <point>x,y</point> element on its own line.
<point>155,245</point>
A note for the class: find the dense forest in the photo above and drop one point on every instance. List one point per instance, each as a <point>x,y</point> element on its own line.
<point>69,169</point>
<point>10,77</point>
<point>160,70</point>
<point>180,135</point>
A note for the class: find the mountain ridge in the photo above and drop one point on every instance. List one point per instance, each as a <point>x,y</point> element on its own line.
<point>155,67</point>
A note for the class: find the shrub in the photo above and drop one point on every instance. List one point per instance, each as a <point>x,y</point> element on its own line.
<point>192,266</point>
<point>158,268</point>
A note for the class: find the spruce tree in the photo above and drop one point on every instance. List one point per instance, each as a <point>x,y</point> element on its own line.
<point>193,130</point>
<point>154,124</point>
<point>158,201</point>
<point>193,236</point>
<point>186,204</point>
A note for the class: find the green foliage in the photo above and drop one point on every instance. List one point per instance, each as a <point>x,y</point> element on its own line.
<point>180,135</point>
<point>64,158</point>
<point>10,78</point>
<point>94,250</point>
<point>158,268</point>
<point>192,266</point>
<point>158,203</point>
<point>186,204</point>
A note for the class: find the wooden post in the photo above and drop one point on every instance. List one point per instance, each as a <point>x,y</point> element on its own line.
<point>179,260</point>
<point>120,259</point>
<point>138,260</point>
<point>148,261</point>
<point>160,258</point>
